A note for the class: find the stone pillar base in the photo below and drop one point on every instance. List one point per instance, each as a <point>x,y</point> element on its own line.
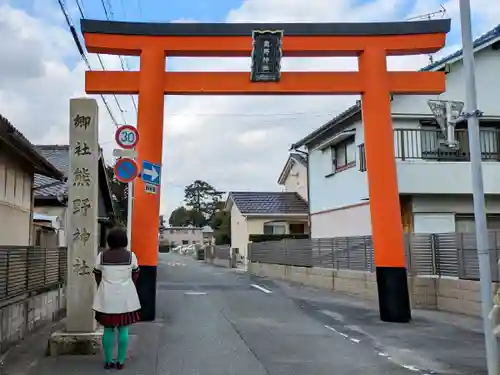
<point>66,343</point>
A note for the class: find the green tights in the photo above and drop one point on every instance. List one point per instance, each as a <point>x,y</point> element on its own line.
<point>108,343</point>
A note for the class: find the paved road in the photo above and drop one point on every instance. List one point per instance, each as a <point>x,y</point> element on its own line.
<point>216,321</point>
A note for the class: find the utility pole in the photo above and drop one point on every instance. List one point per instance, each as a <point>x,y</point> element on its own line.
<point>472,114</point>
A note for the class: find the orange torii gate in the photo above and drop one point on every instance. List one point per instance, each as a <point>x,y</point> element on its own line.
<point>371,42</point>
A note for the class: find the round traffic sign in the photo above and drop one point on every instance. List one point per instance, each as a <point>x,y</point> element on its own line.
<point>126,170</point>
<point>127,136</point>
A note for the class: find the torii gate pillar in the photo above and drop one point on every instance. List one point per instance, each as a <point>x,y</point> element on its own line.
<point>371,42</point>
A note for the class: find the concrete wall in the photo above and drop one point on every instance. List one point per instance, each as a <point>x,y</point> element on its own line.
<point>19,318</point>
<point>445,294</point>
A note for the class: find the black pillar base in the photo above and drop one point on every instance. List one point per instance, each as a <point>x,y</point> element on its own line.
<point>393,297</point>
<point>146,288</point>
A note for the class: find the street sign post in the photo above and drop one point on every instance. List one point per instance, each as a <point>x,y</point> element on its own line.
<point>126,170</point>
<point>150,188</point>
<point>122,153</point>
<point>127,137</point>
<point>151,173</point>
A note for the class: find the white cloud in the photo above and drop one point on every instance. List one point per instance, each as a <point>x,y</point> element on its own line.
<point>232,142</point>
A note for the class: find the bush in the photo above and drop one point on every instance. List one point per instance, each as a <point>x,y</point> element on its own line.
<point>276,237</point>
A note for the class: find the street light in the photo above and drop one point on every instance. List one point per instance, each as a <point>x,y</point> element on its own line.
<point>472,114</point>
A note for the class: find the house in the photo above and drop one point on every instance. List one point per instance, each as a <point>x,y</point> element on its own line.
<point>19,162</point>
<point>45,232</point>
<point>265,213</point>
<point>434,180</point>
<point>208,235</point>
<point>175,236</point>
<point>293,177</point>
<point>51,196</point>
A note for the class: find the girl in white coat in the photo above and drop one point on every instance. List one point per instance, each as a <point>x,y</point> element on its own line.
<point>116,303</point>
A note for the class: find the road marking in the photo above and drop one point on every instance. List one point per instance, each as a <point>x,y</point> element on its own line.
<point>194,293</point>
<point>175,264</point>
<point>261,288</point>
<point>356,341</point>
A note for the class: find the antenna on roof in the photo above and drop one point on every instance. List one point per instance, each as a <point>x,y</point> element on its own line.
<point>429,16</point>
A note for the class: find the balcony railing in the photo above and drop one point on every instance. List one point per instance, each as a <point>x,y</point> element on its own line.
<point>427,144</point>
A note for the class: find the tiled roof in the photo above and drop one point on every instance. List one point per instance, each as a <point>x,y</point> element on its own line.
<point>483,40</point>
<point>479,42</point>
<point>58,155</point>
<point>269,202</point>
<point>23,148</point>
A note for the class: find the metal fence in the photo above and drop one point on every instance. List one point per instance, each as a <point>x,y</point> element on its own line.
<point>222,251</point>
<point>443,254</point>
<point>426,144</point>
<point>30,269</point>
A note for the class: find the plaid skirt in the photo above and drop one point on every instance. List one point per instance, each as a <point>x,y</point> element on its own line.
<point>117,320</point>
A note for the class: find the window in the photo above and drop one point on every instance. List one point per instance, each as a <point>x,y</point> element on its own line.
<point>343,155</point>
<point>185,242</point>
<point>467,224</point>
<point>274,228</point>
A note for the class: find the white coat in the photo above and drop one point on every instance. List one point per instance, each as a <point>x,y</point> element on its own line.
<point>116,293</point>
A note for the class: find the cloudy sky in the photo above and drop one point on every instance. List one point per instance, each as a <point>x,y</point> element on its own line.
<point>234,143</point>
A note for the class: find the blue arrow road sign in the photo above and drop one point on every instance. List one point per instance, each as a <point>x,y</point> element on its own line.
<point>151,173</point>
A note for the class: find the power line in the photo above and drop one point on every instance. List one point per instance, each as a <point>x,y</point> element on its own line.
<point>312,114</point>
<point>109,16</point>
<point>74,34</point>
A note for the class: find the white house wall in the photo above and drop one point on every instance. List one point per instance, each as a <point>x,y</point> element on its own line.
<point>15,203</point>
<point>344,188</point>
<point>239,232</point>
<point>347,221</point>
<point>296,180</point>
<point>487,80</point>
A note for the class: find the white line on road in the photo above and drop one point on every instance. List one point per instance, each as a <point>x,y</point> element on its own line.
<point>261,288</point>
<point>195,293</point>
<point>334,330</point>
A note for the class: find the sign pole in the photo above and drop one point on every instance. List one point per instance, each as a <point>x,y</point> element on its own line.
<point>472,114</point>
<point>130,205</point>
<point>127,137</point>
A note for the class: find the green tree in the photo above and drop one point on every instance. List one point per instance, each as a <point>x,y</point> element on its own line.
<point>202,197</point>
<point>221,224</point>
<point>196,218</point>
<point>179,217</point>
<point>119,195</point>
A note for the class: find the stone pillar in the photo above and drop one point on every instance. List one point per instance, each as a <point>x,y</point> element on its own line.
<point>80,336</point>
<point>82,210</point>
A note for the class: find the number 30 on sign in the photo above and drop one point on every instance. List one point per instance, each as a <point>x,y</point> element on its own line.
<point>127,137</point>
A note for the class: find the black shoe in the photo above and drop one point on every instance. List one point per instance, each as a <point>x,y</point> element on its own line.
<point>109,365</point>
<point>120,366</point>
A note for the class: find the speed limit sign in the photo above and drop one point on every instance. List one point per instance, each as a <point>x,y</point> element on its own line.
<point>127,137</point>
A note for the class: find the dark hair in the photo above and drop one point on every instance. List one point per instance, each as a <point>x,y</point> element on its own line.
<point>117,238</point>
